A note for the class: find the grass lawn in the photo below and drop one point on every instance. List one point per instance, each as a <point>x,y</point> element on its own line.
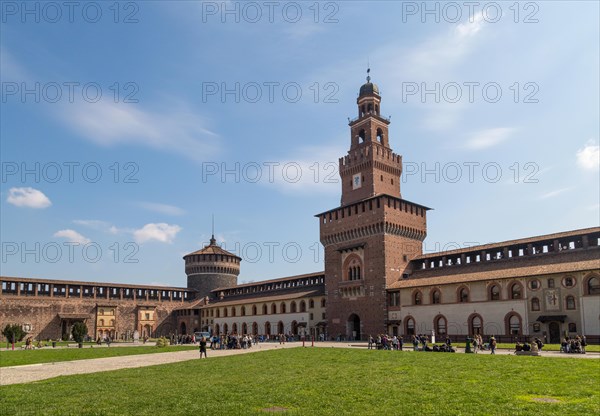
<point>22,357</point>
<point>319,381</point>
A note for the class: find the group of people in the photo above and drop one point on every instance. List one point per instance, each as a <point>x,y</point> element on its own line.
<point>573,345</point>
<point>536,345</point>
<point>385,342</point>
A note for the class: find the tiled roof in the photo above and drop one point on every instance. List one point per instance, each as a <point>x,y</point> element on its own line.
<point>278,280</point>
<point>250,299</point>
<point>500,273</point>
<point>212,249</point>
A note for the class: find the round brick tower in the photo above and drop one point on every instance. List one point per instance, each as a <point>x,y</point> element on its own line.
<point>211,268</point>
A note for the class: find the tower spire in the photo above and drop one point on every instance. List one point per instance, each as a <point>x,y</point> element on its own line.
<point>212,239</point>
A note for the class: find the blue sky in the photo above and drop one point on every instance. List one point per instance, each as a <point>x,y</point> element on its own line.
<point>243,114</point>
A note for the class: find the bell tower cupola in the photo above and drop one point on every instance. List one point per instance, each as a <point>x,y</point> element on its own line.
<point>370,168</point>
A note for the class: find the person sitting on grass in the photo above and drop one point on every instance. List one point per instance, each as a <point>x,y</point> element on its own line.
<point>518,347</point>
<point>526,347</point>
<point>539,343</point>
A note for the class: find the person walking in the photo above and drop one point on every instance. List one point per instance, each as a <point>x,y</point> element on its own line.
<point>203,347</point>
<point>493,345</point>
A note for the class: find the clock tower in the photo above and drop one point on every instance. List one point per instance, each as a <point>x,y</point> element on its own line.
<point>372,236</point>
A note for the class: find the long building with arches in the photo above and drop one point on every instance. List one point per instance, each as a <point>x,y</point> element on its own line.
<point>376,278</point>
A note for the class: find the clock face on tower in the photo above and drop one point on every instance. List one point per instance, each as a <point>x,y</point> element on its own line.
<point>356,181</point>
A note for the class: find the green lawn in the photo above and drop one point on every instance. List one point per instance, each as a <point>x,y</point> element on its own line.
<point>22,357</point>
<point>320,381</point>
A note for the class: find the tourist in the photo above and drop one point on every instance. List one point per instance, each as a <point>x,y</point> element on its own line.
<point>583,344</point>
<point>493,344</point>
<point>203,347</point>
<point>370,344</point>
<point>400,343</point>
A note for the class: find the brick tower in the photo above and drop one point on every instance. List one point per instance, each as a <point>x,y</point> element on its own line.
<point>370,239</point>
<point>211,268</point>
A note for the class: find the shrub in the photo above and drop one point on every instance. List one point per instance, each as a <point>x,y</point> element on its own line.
<point>162,342</point>
<point>13,333</point>
<point>79,331</point>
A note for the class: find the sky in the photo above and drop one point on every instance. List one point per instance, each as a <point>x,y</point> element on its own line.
<point>125,127</point>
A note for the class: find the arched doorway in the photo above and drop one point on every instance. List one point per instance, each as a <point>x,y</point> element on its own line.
<point>280,329</point>
<point>183,329</point>
<point>146,331</point>
<point>294,328</point>
<point>254,328</point>
<point>267,328</point>
<point>244,329</point>
<point>554,331</point>
<point>353,327</point>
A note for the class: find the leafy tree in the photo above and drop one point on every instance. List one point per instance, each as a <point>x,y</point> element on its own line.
<point>79,331</point>
<point>15,331</point>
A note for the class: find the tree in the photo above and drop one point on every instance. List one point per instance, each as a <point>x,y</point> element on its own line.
<point>79,331</point>
<point>14,333</point>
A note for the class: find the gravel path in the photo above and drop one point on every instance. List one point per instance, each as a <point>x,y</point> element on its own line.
<point>36,372</point>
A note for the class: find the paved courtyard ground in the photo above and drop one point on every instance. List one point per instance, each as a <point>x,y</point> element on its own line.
<point>36,372</point>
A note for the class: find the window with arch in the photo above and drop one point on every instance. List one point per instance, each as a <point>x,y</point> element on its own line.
<point>218,313</point>
<point>225,328</point>
<point>463,295</point>
<point>273,309</point>
<point>361,136</point>
<point>224,312</point>
<point>101,323</point>
<point>516,291</point>
<point>436,297</point>
<point>323,302</point>
<point>417,298</point>
<point>254,311</point>
<point>570,302</point>
<point>494,292</point>
<point>440,325</point>
<point>265,309</point>
<point>514,324</point>
<point>233,311</point>
<point>293,307</point>
<point>593,286</point>
<point>476,325</point>
<point>410,326</point>
<point>243,311</point>
<point>353,268</point>
<point>311,303</point>
<point>282,308</point>
<point>302,306</point>
<point>112,322</point>
<point>379,136</point>
<point>534,284</point>
<point>535,304</point>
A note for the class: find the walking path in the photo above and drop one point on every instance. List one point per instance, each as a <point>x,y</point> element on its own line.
<point>36,372</point>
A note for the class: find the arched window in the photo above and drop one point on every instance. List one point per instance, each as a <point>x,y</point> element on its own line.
<point>417,298</point>
<point>323,302</point>
<point>513,322</point>
<point>311,303</point>
<point>494,292</point>
<point>224,312</point>
<point>101,323</point>
<point>243,310</point>
<point>282,308</point>
<point>112,321</point>
<point>436,297</point>
<point>254,311</point>
<point>265,310</point>
<point>233,311</point>
<point>379,136</point>
<point>475,324</point>
<point>218,313</point>
<point>593,286</point>
<point>293,307</point>
<point>440,324</point>
<point>225,328</point>
<point>361,136</point>
<point>463,295</point>
<point>535,304</point>
<point>273,309</point>
<point>410,326</point>
<point>570,302</point>
<point>302,306</point>
<point>515,291</point>
<point>267,328</point>
<point>234,328</point>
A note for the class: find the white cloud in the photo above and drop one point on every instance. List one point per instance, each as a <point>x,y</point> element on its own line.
<point>93,224</point>
<point>554,193</point>
<point>28,197</point>
<point>489,138</point>
<point>72,236</point>
<point>313,170</point>
<point>160,232</point>
<point>588,158</point>
<point>111,124</point>
<point>162,208</point>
